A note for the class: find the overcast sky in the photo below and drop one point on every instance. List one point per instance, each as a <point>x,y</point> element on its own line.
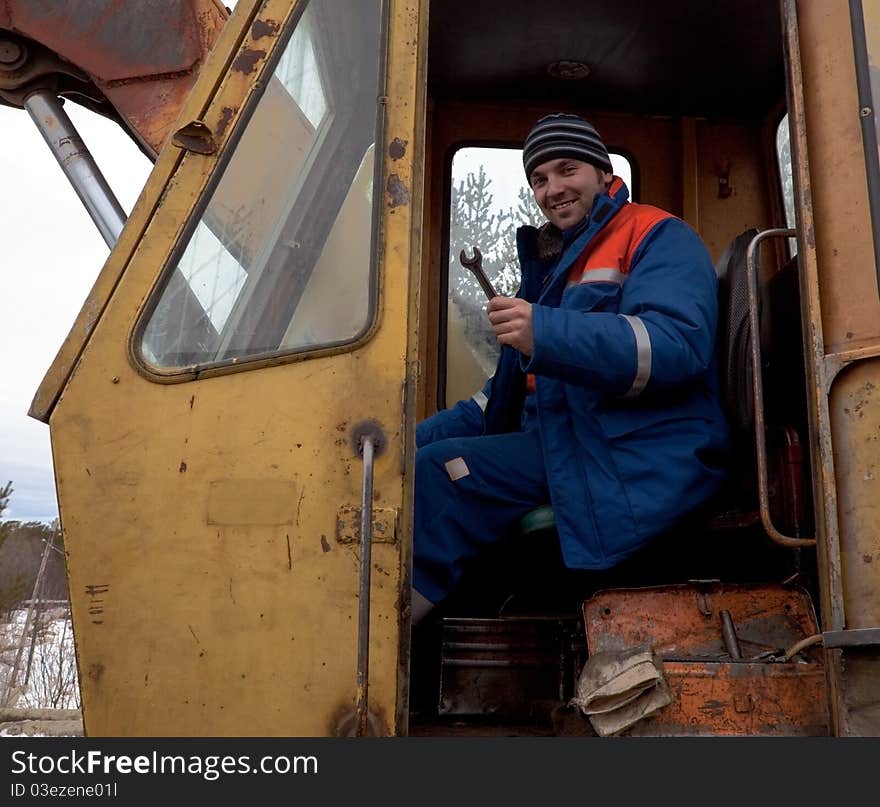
<point>50,255</point>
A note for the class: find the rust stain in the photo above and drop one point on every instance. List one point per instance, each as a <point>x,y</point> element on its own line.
<point>246,61</point>
<point>262,28</point>
<point>225,116</point>
<point>182,468</point>
<point>96,671</point>
<point>324,544</point>
<point>397,149</point>
<point>398,191</point>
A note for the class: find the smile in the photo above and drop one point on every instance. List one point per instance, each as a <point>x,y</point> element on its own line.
<point>563,205</point>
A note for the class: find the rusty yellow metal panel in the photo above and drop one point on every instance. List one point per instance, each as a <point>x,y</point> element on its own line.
<point>203,515</point>
<point>842,325</point>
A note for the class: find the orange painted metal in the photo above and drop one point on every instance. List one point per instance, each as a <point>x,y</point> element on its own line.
<point>714,693</point>
<point>143,58</point>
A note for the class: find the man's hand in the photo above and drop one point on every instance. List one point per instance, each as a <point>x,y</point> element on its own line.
<point>511,320</point>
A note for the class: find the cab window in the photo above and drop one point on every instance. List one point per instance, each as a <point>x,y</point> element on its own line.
<point>489,198</point>
<point>280,260</point>
<point>783,157</point>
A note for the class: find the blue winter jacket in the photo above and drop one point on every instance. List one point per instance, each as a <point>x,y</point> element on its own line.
<point>625,379</point>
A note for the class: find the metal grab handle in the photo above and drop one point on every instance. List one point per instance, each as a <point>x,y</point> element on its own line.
<point>758,389</point>
<point>363,662</point>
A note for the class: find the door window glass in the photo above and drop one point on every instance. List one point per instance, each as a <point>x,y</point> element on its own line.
<point>783,157</point>
<point>280,260</point>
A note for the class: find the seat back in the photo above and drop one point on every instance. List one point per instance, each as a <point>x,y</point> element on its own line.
<point>734,333</point>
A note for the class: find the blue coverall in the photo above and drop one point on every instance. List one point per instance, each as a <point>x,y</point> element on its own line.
<point>624,432</point>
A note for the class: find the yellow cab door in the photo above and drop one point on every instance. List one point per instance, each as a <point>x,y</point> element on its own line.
<point>834,53</point>
<point>238,381</point>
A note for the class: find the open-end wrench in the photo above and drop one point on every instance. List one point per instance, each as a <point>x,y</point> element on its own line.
<point>475,265</point>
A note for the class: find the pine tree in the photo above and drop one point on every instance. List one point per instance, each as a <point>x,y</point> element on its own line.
<point>5,493</point>
<point>473,224</point>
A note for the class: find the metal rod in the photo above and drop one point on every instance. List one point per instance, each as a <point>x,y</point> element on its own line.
<point>363,670</point>
<point>758,390</point>
<point>77,163</point>
<point>728,633</point>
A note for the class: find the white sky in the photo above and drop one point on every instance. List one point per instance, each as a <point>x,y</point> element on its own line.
<point>50,255</point>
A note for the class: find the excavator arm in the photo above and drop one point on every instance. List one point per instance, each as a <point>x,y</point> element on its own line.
<point>132,62</point>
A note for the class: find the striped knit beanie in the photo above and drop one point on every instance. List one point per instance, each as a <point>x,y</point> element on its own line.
<point>564,135</point>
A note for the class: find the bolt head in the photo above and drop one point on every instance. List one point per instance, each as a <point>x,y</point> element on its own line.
<point>11,54</point>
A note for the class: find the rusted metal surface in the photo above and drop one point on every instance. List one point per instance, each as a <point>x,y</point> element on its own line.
<point>398,193</point>
<point>195,136</point>
<point>841,316</point>
<point>722,649</point>
<point>821,455</point>
<point>685,620</point>
<point>745,699</point>
<point>143,61</point>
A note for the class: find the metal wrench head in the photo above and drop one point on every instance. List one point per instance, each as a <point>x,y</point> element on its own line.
<point>469,263</point>
<point>475,265</point>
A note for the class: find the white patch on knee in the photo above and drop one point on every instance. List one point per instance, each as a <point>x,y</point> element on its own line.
<point>457,468</point>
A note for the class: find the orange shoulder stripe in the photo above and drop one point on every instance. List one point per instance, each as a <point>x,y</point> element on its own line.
<point>615,244</point>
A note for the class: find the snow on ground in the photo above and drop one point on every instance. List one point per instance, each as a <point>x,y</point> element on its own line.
<point>42,662</point>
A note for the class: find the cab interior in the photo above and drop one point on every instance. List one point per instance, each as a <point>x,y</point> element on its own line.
<point>693,96</point>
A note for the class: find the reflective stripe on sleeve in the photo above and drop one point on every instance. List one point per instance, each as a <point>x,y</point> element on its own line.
<point>643,349</point>
<point>481,399</point>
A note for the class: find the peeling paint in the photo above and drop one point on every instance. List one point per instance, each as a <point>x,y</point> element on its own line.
<point>262,28</point>
<point>398,192</point>
<point>246,61</point>
<point>325,545</point>
<point>397,149</point>
<point>225,116</point>
<point>182,468</point>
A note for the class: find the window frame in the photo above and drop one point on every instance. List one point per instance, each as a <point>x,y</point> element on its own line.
<point>443,309</point>
<point>255,93</point>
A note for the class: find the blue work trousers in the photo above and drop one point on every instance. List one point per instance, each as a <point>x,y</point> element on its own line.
<point>469,492</point>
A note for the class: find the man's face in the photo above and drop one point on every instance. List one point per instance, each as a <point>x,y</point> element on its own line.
<point>565,189</point>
